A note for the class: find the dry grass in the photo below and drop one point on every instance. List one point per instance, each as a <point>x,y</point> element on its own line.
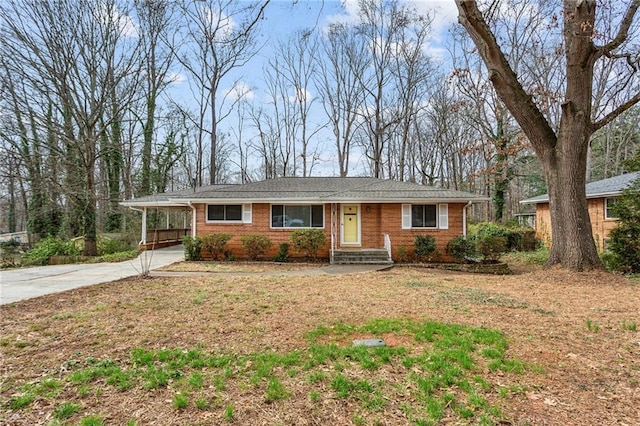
<point>573,331</point>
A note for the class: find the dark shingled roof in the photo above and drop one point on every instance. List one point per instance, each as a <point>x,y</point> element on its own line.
<point>598,189</point>
<point>312,189</point>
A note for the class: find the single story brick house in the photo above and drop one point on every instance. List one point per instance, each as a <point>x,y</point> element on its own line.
<point>601,196</point>
<point>356,213</point>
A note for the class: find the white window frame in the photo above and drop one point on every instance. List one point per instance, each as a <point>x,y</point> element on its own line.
<point>442,216</point>
<point>284,207</point>
<point>246,216</point>
<point>606,208</point>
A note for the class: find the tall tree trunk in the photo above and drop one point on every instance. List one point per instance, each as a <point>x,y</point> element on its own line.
<point>89,224</point>
<point>563,154</point>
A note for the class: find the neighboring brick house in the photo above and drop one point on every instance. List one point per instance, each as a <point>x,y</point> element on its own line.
<point>356,213</point>
<point>601,195</point>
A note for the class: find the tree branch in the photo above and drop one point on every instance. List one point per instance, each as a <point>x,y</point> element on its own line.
<point>504,79</point>
<point>616,112</point>
<point>623,31</point>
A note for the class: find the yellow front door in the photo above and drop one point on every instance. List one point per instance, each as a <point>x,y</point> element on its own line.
<point>350,228</point>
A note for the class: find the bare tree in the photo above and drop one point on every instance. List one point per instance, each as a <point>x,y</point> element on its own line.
<point>414,75</point>
<point>343,60</point>
<point>155,29</point>
<point>380,26</point>
<point>74,55</point>
<point>562,152</point>
<point>219,36</point>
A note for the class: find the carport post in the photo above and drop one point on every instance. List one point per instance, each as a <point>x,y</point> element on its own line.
<point>143,241</point>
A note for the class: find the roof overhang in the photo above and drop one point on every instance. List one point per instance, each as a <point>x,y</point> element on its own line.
<point>163,204</point>
<point>589,197</point>
<point>306,200</point>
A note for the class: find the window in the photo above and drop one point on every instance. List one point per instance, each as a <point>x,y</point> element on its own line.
<point>425,216</point>
<point>297,216</point>
<point>229,213</point>
<point>608,208</point>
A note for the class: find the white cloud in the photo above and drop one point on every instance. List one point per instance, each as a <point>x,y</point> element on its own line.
<point>240,90</point>
<point>111,14</point>
<point>301,95</point>
<point>218,21</point>
<point>176,78</point>
<point>444,13</point>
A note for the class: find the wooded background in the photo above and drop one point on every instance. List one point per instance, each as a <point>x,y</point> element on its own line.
<point>89,114</point>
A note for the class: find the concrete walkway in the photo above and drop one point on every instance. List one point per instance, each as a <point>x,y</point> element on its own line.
<point>25,283</point>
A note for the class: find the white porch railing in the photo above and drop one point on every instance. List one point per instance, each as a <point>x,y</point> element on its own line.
<point>387,244</point>
<point>334,229</point>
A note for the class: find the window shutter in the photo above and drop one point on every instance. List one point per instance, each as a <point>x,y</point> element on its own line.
<point>406,216</point>
<point>246,213</point>
<point>443,213</point>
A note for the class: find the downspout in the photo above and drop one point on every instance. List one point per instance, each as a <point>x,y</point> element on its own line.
<point>194,216</point>
<point>464,219</point>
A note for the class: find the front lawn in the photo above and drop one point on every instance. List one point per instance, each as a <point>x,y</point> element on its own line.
<point>542,347</point>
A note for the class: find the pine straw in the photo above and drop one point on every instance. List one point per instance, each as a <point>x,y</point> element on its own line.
<point>585,377</point>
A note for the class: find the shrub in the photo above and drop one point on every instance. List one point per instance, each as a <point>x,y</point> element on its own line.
<point>611,261</point>
<point>488,229</point>
<point>424,246</point>
<point>215,244</point>
<point>308,242</point>
<point>50,246</point>
<point>192,248</point>
<point>522,239</point>
<point>625,237</point>
<point>517,238</point>
<point>10,244</point>
<point>120,256</point>
<point>111,246</point>
<point>491,248</point>
<point>460,248</point>
<point>283,253</point>
<point>255,245</point>
<point>403,254</point>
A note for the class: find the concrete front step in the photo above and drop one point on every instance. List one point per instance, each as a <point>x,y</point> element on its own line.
<point>363,256</point>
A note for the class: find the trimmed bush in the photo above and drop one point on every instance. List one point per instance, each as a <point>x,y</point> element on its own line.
<point>192,247</point>
<point>215,244</point>
<point>308,241</point>
<point>255,245</point>
<point>460,248</point>
<point>491,248</point>
<point>111,246</point>
<point>424,246</point>
<point>283,253</point>
<point>517,238</point>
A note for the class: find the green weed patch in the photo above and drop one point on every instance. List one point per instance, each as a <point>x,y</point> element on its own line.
<point>441,371</point>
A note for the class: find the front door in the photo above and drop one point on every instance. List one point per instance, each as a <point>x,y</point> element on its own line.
<point>350,222</point>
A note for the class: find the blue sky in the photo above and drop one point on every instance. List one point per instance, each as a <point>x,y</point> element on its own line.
<point>283,18</point>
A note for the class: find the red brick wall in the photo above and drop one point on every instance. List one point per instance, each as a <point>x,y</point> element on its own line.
<point>376,220</point>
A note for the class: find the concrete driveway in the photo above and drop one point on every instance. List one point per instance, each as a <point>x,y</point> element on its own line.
<point>25,283</point>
